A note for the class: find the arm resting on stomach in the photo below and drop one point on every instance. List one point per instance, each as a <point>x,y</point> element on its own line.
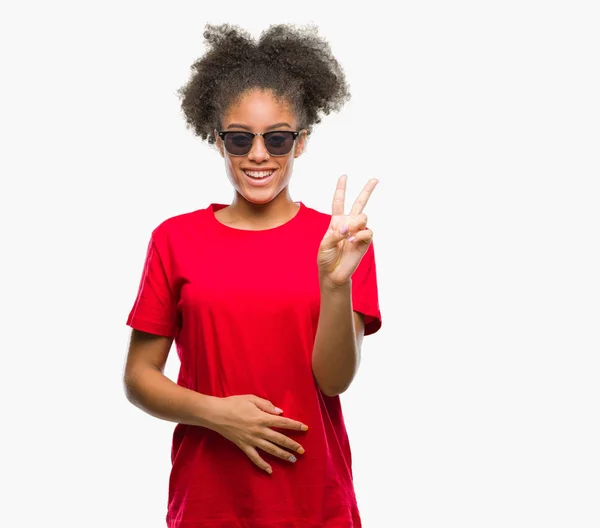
<point>148,388</point>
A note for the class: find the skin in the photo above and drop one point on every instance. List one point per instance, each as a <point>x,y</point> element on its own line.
<point>259,207</point>
<point>248,420</point>
<point>336,351</point>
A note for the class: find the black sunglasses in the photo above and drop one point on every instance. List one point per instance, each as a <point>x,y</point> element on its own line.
<point>277,142</point>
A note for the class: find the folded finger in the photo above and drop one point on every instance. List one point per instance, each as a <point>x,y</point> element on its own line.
<point>356,224</point>
<point>364,236</point>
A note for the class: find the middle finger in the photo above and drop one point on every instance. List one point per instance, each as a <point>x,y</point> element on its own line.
<point>363,197</point>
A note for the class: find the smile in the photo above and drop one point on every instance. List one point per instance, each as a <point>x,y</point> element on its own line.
<point>258,174</point>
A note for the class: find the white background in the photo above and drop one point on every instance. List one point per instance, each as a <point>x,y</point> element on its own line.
<point>477,403</point>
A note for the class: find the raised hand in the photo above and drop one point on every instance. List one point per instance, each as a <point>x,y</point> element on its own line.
<point>247,420</point>
<point>347,238</point>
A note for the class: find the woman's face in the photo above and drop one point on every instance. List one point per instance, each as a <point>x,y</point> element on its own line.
<point>258,111</point>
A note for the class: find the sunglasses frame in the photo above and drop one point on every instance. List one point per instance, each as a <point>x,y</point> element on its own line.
<point>223,133</point>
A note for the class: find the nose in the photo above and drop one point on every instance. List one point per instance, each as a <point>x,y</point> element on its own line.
<point>258,152</point>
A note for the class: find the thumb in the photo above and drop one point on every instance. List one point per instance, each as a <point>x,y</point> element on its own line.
<point>265,405</point>
<point>332,238</point>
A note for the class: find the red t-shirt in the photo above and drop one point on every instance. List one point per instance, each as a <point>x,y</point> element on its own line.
<point>243,307</point>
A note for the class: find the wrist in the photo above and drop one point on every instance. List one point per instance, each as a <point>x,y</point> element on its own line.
<point>207,410</point>
<point>329,286</point>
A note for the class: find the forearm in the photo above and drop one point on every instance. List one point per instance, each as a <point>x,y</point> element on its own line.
<point>336,354</point>
<point>153,392</point>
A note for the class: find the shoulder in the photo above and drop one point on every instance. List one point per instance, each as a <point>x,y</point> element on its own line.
<point>178,226</point>
<point>317,217</point>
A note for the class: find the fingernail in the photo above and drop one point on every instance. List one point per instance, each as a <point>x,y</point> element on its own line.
<point>301,450</point>
<point>292,458</point>
<point>352,239</point>
<point>304,427</point>
<point>269,470</point>
<point>278,410</point>
<point>344,230</point>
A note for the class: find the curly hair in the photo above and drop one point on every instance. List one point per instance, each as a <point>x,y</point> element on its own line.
<point>294,63</point>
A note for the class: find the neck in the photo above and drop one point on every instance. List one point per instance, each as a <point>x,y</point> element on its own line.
<point>262,216</point>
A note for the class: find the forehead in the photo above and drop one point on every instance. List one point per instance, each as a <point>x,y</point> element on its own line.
<point>258,110</point>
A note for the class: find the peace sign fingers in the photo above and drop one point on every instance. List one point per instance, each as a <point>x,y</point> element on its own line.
<point>347,238</point>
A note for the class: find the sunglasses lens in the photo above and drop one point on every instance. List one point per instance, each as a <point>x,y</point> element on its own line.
<point>279,143</point>
<point>238,143</point>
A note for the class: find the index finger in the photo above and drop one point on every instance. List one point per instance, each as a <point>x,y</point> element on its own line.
<point>363,197</point>
<point>340,196</point>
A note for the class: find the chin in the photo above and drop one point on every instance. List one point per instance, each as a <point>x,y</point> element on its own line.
<point>260,197</point>
<point>257,201</point>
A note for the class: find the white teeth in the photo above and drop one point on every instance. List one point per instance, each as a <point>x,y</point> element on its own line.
<point>259,174</point>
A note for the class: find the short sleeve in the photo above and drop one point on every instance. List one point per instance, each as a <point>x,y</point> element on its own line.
<point>365,298</point>
<point>155,307</point>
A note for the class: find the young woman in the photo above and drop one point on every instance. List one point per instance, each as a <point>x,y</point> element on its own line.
<point>266,298</point>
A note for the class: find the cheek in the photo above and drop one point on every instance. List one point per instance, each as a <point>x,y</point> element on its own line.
<point>288,166</point>
<point>231,166</point>
<point>231,171</point>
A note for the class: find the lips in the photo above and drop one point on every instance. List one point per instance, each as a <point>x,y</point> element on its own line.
<point>259,178</point>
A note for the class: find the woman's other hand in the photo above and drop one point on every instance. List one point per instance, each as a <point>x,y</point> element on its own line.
<point>247,421</point>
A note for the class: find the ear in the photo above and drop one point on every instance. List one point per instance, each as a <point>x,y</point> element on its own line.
<point>300,143</point>
<point>219,143</point>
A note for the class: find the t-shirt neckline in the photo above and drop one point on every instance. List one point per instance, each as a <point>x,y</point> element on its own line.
<point>213,207</point>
